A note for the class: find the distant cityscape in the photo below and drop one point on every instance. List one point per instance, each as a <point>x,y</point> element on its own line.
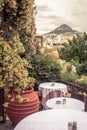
<point>57,37</point>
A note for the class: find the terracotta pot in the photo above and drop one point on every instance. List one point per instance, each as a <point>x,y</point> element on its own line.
<point>17,111</point>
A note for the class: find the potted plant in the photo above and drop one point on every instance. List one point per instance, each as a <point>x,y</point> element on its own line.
<point>21,100</point>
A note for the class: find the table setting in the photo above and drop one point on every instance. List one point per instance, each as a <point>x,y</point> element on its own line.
<point>54,119</point>
<point>65,103</point>
<point>51,88</point>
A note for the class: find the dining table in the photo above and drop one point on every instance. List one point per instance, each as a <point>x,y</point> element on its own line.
<point>53,119</point>
<point>51,87</point>
<point>65,103</point>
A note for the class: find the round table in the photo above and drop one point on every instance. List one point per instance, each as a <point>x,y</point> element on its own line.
<point>47,87</point>
<point>50,86</point>
<point>54,119</point>
<point>70,103</point>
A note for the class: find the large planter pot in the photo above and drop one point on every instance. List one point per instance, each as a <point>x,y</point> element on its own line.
<point>17,111</point>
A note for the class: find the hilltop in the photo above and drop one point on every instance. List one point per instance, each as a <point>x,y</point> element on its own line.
<point>63,29</point>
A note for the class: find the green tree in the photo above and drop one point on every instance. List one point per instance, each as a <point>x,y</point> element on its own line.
<point>75,50</point>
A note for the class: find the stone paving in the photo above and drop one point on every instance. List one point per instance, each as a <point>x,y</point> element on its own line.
<point>6,126</point>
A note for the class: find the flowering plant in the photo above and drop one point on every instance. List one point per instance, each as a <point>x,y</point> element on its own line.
<point>13,69</point>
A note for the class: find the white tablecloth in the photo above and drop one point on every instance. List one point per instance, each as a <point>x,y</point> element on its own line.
<point>71,103</point>
<point>47,87</point>
<point>54,119</point>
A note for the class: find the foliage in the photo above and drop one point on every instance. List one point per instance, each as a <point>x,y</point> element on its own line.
<point>75,50</point>
<point>69,77</point>
<point>82,82</point>
<point>13,69</point>
<point>19,14</point>
<point>11,36</point>
<point>44,69</point>
<point>82,69</point>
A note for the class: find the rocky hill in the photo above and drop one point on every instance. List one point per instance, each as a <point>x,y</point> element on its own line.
<point>63,29</point>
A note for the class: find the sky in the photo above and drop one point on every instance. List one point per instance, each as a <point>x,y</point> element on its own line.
<point>53,13</point>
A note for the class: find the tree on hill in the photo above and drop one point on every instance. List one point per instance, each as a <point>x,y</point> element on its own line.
<point>75,50</point>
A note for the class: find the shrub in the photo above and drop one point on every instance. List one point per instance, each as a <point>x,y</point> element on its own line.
<point>82,69</point>
<point>69,77</point>
<point>82,81</point>
<point>44,69</point>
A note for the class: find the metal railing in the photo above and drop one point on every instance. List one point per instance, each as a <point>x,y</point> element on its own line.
<point>76,91</point>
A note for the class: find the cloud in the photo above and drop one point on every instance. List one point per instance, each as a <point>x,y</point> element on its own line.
<point>42,12</point>
<point>53,13</point>
<point>43,8</point>
<point>77,14</point>
<point>49,22</point>
<point>81,1</point>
